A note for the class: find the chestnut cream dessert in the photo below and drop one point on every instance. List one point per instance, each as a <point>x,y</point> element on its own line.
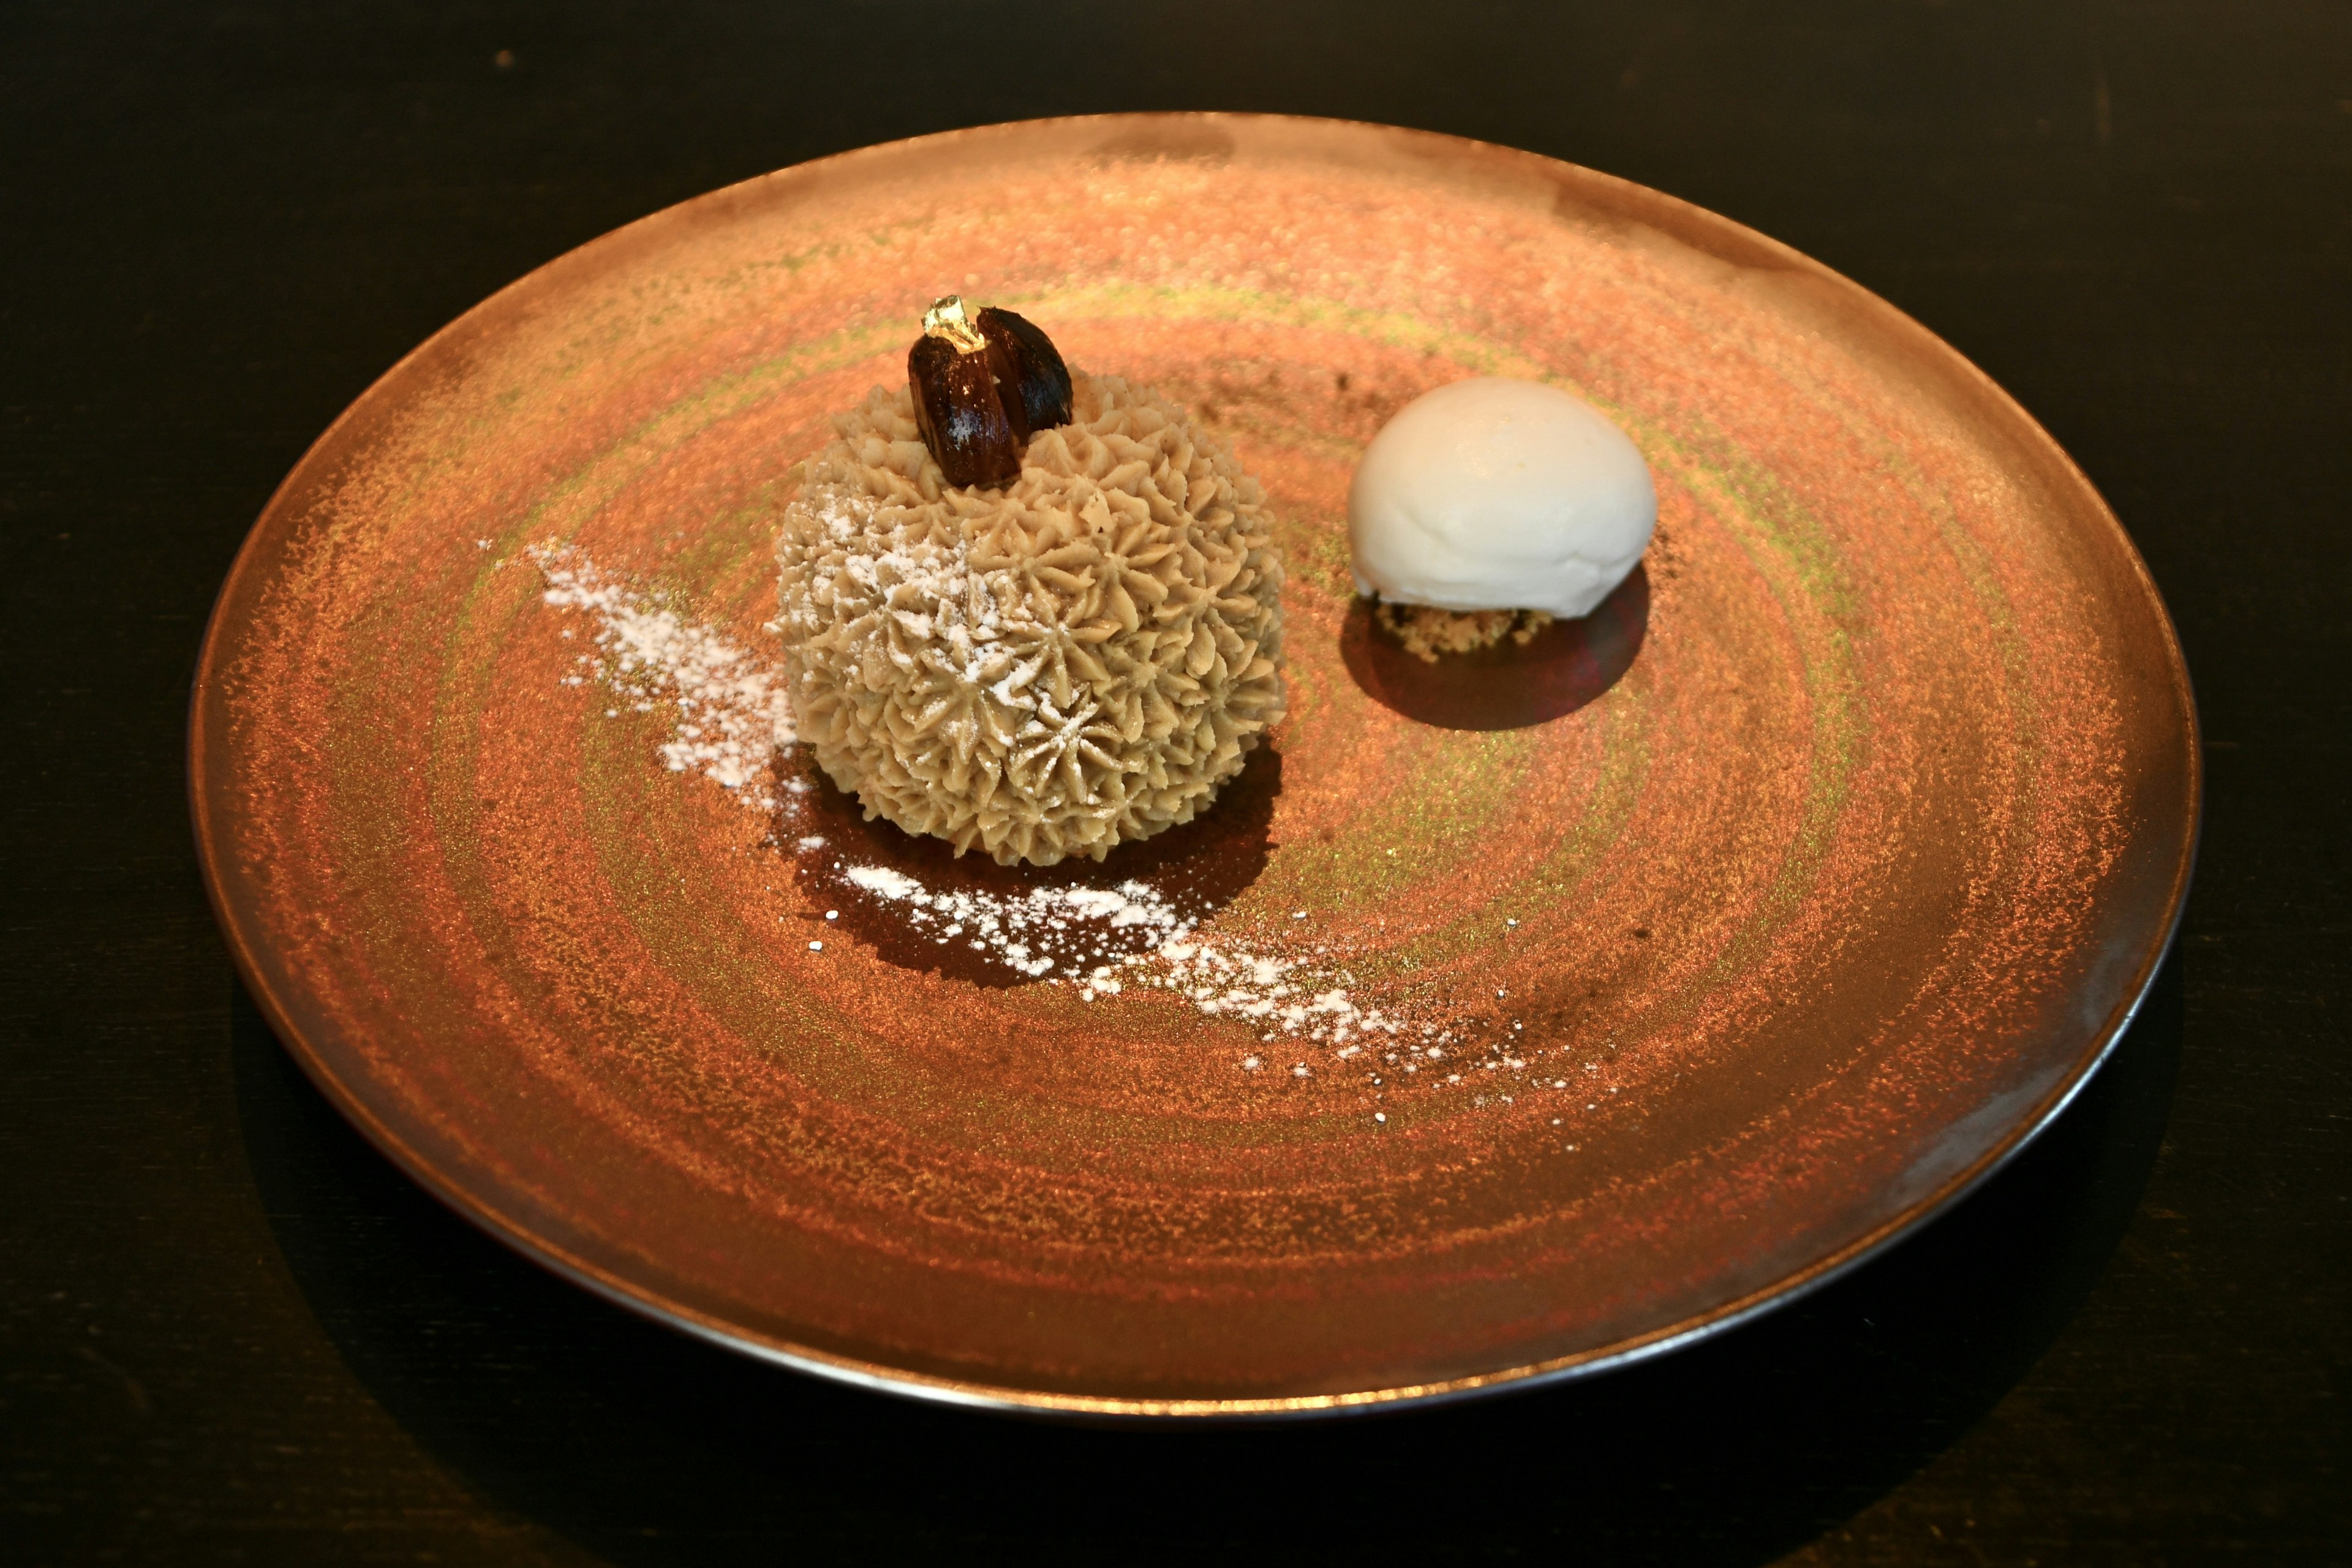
<point>1489,507</point>
<point>1027,610</point>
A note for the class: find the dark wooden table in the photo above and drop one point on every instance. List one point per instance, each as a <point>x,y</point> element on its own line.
<point>229,1332</point>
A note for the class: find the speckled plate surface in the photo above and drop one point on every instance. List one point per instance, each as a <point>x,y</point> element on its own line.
<point>1758,917</point>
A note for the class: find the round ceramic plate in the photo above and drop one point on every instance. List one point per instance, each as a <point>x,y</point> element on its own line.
<point>1501,1021</point>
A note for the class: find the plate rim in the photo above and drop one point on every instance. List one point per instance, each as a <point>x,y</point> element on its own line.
<point>207,716</point>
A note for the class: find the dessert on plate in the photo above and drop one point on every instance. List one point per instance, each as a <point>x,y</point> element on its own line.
<point>1027,610</point>
<point>1489,507</point>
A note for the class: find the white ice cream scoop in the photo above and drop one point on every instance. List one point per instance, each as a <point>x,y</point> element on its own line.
<point>1499,495</point>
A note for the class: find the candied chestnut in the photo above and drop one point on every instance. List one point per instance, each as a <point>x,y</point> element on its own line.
<point>983,387</point>
<point>1038,373</point>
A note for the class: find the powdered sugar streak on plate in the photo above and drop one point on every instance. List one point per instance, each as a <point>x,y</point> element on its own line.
<point>733,726</point>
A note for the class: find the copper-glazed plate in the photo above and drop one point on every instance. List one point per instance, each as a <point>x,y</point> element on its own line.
<point>1790,896</point>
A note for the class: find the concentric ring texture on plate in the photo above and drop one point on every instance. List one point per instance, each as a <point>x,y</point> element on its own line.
<point>1735,969</point>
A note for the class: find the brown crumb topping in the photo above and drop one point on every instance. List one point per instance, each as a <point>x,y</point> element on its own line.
<point>1427,631</point>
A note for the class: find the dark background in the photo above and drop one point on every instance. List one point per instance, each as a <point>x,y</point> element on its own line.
<point>229,1332</point>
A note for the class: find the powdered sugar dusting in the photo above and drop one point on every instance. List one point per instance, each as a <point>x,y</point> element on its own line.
<point>931,588</point>
<point>1073,933</point>
<point>734,714</point>
<point>733,717</point>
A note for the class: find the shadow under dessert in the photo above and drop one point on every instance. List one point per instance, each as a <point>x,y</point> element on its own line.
<point>1511,681</point>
